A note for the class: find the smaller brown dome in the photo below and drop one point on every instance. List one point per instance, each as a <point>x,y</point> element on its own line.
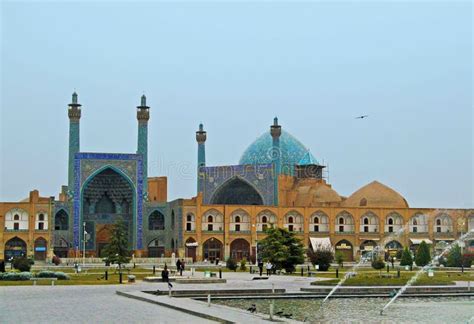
<point>314,194</point>
<point>375,194</point>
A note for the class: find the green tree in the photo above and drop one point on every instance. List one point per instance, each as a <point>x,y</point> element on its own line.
<point>322,257</point>
<point>117,251</point>
<point>407,259</point>
<point>423,256</point>
<point>340,259</point>
<point>454,257</point>
<point>282,249</point>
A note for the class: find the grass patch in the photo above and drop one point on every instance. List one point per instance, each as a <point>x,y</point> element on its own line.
<point>83,279</point>
<point>374,279</point>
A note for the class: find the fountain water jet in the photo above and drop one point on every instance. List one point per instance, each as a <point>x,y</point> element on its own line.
<point>419,272</point>
<point>362,260</point>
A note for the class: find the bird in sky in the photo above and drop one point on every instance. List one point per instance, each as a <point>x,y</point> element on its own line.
<point>362,117</point>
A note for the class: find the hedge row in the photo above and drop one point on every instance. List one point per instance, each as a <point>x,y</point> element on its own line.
<point>19,276</point>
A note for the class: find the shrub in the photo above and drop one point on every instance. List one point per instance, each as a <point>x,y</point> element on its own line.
<point>22,264</point>
<point>468,260</point>
<point>51,274</point>
<point>231,264</point>
<point>45,274</point>
<point>378,264</point>
<point>423,256</point>
<point>56,260</point>
<point>243,265</point>
<point>16,276</point>
<point>61,275</point>
<point>407,259</point>
<point>321,257</point>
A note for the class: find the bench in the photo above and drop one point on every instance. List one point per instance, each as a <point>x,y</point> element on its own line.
<point>388,275</point>
<point>311,273</point>
<point>43,279</point>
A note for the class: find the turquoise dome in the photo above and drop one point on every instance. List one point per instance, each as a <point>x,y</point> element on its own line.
<point>260,151</point>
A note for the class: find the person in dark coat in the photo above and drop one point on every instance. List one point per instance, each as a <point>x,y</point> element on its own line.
<point>181,268</point>
<point>260,266</point>
<point>178,267</point>
<point>165,274</point>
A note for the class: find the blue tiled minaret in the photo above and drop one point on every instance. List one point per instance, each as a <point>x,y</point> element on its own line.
<point>275,131</point>
<point>74,113</point>
<point>143,115</point>
<point>201,137</point>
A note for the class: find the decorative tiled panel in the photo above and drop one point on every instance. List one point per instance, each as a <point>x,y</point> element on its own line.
<point>73,149</point>
<point>259,176</point>
<point>143,150</point>
<point>129,165</point>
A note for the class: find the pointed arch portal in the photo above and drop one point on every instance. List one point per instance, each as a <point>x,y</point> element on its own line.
<point>237,192</point>
<point>107,197</point>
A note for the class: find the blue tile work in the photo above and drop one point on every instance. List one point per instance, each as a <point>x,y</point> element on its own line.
<point>87,164</point>
<point>73,149</point>
<point>261,151</point>
<point>142,148</point>
<point>260,176</point>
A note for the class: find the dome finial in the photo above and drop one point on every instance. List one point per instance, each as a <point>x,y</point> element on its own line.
<point>201,127</point>
<point>143,101</point>
<point>275,121</point>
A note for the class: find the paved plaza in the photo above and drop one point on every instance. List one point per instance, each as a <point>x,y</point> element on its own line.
<point>101,304</point>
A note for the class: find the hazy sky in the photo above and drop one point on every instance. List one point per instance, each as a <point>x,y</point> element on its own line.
<point>234,66</point>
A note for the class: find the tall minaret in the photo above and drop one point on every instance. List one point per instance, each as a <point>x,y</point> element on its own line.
<point>143,115</point>
<point>275,131</point>
<point>74,113</point>
<point>201,137</point>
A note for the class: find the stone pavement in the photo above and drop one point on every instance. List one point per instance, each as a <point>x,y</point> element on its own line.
<point>82,304</point>
<point>101,304</point>
<point>217,312</point>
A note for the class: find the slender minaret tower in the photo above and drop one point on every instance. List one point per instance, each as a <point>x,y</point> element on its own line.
<point>275,131</point>
<point>143,115</point>
<point>74,113</point>
<point>201,137</point>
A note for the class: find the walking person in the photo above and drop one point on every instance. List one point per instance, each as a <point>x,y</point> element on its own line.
<point>269,266</point>
<point>260,266</point>
<point>181,269</point>
<point>178,267</point>
<point>165,274</point>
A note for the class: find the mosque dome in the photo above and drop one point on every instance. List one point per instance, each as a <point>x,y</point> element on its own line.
<point>310,193</point>
<point>375,194</point>
<point>261,151</point>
